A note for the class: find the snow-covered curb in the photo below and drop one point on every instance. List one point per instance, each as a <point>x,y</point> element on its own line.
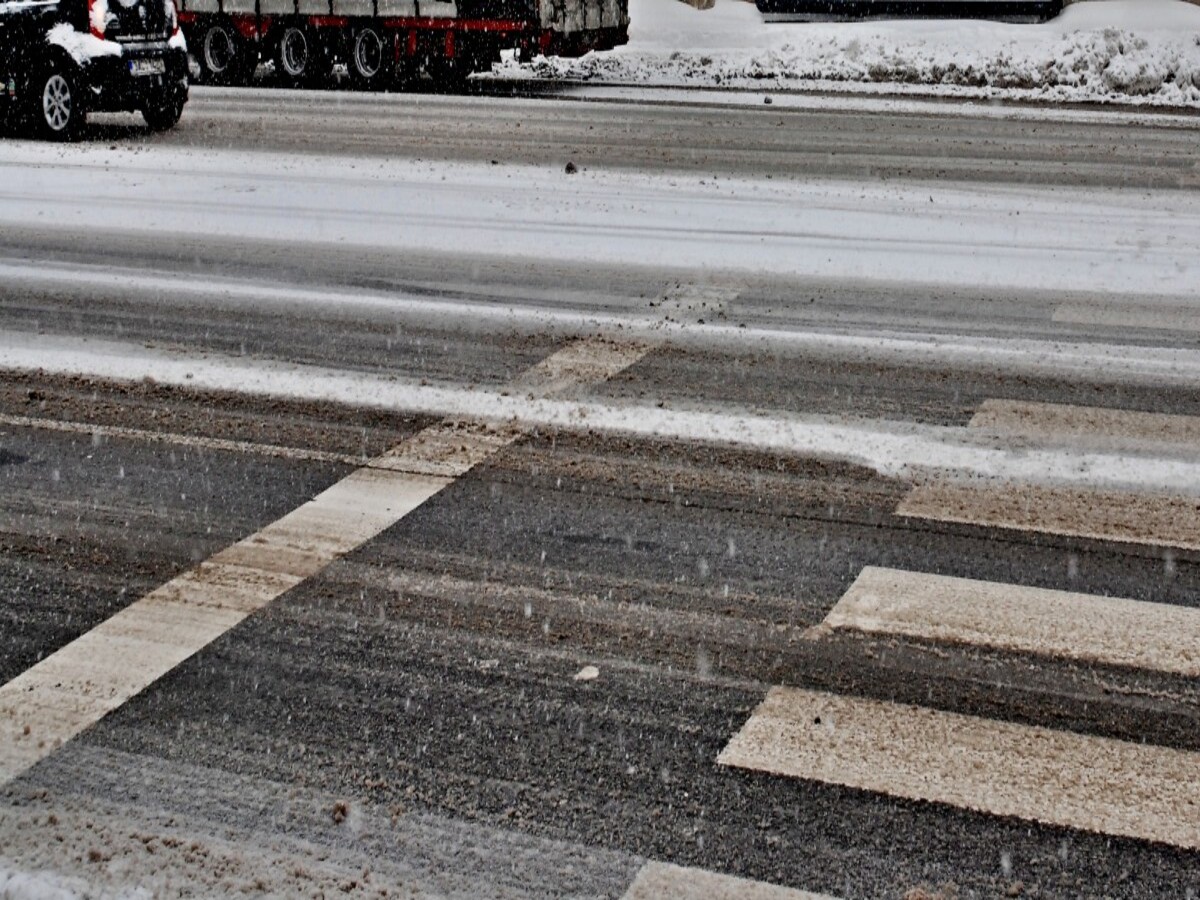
<point>1124,51</point>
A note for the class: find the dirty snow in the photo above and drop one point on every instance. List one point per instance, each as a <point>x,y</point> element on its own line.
<point>894,449</point>
<point>1128,51</point>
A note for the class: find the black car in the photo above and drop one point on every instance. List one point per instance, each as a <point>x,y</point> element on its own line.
<point>61,59</point>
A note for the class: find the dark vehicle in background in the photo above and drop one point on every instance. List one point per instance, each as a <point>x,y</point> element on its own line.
<point>61,59</point>
<point>850,10</point>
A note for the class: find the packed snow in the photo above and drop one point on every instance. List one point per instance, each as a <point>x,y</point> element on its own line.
<point>1127,51</point>
<point>1014,237</point>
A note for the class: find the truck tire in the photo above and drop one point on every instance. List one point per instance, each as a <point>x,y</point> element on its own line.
<point>222,55</point>
<point>301,59</point>
<point>56,109</point>
<point>369,59</point>
<point>163,114</point>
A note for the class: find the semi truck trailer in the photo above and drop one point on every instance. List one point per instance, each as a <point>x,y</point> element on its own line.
<point>381,41</point>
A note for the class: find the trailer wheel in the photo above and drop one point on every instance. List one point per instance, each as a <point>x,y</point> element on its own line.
<point>368,59</point>
<point>222,56</point>
<point>301,60</point>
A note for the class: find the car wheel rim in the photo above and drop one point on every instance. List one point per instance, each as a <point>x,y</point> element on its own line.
<point>56,102</point>
<point>294,55</point>
<point>368,53</point>
<point>218,50</point>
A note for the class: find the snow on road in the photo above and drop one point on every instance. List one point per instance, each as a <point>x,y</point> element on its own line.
<point>1105,241</point>
<point>1129,51</point>
<point>892,448</point>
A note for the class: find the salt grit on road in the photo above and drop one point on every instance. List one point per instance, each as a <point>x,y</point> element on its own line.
<point>1127,51</point>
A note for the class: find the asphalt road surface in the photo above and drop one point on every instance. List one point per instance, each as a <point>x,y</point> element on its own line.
<point>340,554</point>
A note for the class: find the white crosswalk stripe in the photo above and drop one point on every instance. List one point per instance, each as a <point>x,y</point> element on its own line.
<point>663,881</point>
<point>1125,516</point>
<point>1121,516</point>
<point>1110,428</point>
<point>1106,630</point>
<point>1055,777</point>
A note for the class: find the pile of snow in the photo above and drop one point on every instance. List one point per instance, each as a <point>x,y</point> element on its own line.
<point>1139,51</point>
<point>19,885</point>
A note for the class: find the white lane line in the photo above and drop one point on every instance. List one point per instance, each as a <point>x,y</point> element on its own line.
<point>1159,318</point>
<point>96,673</point>
<point>1154,519</point>
<point>1112,428</point>
<point>1106,630</point>
<point>181,440</point>
<point>1054,777</point>
<point>664,881</point>
<point>1086,361</point>
<point>891,448</point>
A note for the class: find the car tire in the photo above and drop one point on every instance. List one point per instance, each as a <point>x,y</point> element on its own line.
<point>56,108</point>
<point>164,114</point>
<point>222,57</point>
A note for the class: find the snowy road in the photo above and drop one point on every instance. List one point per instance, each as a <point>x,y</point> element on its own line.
<point>379,518</point>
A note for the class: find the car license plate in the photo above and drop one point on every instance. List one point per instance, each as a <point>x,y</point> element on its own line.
<point>147,67</point>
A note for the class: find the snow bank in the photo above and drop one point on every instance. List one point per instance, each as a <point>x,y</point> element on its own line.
<point>1128,51</point>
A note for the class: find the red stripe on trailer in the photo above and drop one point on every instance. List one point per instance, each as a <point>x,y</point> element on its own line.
<point>247,24</point>
<point>186,18</point>
<point>328,21</point>
<point>428,24</point>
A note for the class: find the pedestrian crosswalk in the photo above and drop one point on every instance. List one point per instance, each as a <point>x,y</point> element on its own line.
<point>1055,777</point>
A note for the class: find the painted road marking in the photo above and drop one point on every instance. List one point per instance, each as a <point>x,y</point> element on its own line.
<point>76,686</point>
<point>1126,517</point>
<point>1114,427</point>
<point>1054,777</point>
<point>1169,318</point>
<point>1087,627</point>
<point>1151,516</point>
<point>664,881</point>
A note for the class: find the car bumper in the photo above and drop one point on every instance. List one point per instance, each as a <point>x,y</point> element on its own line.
<point>113,86</point>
